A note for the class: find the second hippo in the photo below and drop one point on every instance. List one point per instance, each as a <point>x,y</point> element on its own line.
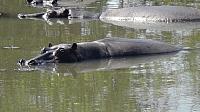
<point>152,14</point>
<point>60,13</point>
<point>104,48</point>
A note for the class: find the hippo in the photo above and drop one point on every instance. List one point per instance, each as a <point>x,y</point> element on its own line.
<point>152,14</point>
<point>60,13</point>
<point>100,64</point>
<point>103,48</point>
<point>42,2</point>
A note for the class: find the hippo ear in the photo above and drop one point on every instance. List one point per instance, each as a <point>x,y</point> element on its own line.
<point>29,1</point>
<point>50,45</point>
<point>74,46</point>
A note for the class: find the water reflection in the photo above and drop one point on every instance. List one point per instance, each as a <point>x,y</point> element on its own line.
<point>154,83</point>
<point>175,91</point>
<point>177,29</point>
<point>61,21</point>
<point>178,26</point>
<point>114,63</point>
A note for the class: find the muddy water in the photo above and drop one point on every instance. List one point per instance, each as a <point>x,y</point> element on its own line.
<point>148,83</point>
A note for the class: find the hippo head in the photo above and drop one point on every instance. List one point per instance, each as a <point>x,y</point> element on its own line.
<point>41,59</point>
<point>63,53</point>
<point>67,55</point>
<point>45,56</point>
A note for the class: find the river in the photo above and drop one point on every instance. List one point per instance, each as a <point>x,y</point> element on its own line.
<point>156,83</point>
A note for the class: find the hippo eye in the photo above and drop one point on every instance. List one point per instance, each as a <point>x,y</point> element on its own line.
<point>32,62</point>
<point>62,50</point>
<point>43,50</point>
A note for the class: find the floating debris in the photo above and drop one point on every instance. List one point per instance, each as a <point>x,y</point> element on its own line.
<point>11,47</point>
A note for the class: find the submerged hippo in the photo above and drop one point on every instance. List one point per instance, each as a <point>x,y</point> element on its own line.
<point>152,14</point>
<point>60,13</point>
<point>42,2</point>
<point>101,64</point>
<point>104,48</point>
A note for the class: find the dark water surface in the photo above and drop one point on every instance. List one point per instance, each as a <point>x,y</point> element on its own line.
<point>156,83</point>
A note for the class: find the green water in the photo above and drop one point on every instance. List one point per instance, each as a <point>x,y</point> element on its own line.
<point>135,84</point>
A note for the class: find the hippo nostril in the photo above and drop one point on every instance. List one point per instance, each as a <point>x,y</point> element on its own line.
<point>22,62</point>
<point>21,16</point>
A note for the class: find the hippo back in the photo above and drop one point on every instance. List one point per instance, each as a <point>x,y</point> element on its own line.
<point>152,14</point>
<point>104,48</point>
<point>131,47</point>
<point>92,50</point>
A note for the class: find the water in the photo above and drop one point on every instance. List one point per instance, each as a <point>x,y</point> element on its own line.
<point>156,83</point>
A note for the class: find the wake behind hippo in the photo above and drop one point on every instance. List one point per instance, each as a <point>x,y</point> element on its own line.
<point>104,48</point>
<point>152,14</point>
